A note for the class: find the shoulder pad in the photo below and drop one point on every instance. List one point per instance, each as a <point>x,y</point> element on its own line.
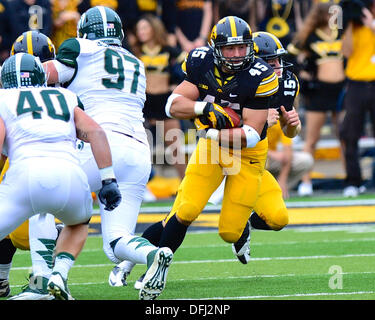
<point>198,57</point>
<point>68,52</point>
<point>268,82</point>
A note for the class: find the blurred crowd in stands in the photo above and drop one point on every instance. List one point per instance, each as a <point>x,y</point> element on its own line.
<point>331,44</point>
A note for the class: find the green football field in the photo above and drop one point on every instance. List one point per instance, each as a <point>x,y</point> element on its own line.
<point>335,262</point>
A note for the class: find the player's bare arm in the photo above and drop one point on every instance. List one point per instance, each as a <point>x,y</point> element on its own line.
<point>51,72</point>
<point>182,101</point>
<point>89,131</point>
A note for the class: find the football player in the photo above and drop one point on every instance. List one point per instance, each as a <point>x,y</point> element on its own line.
<point>41,46</point>
<point>111,83</point>
<point>269,211</point>
<point>38,131</point>
<point>226,72</point>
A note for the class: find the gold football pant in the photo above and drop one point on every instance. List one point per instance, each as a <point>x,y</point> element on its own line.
<point>20,236</point>
<point>206,169</point>
<point>270,205</point>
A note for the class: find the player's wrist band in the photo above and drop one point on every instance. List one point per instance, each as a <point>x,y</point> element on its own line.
<point>107,173</point>
<point>212,134</point>
<point>199,107</point>
<point>252,137</point>
<point>169,104</point>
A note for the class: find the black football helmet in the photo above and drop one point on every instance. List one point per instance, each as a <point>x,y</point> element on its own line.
<point>22,70</point>
<point>101,23</point>
<point>35,43</point>
<point>267,46</point>
<point>228,31</point>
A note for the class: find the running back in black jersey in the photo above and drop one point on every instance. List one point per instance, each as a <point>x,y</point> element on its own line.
<point>244,89</point>
<point>250,88</point>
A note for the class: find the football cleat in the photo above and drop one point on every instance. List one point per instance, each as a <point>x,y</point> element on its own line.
<point>117,277</point>
<point>4,288</point>
<point>154,281</point>
<point>241,248</point>
<point>57,287</point>
<point>138,283</point>
<point>36,289</point>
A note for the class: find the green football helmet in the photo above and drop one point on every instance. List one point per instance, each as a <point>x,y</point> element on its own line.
<point>22,70</point>
<point>101,23</point>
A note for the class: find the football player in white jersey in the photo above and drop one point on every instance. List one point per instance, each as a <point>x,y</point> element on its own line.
<point>111,84</point>
<point>38,131</point>
<point>45,229</point>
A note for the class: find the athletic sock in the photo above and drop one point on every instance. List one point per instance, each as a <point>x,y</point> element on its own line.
<point>173,234</point>
<point>153,233</point>
<point>258,223</point>
<point>63,263</point>
<point>41,251</point>
<point>42,239</point>
<point>133,248</point>
<point>4,270</point>
<point>7,251</point>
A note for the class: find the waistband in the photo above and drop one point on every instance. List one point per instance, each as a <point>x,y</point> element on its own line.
<point>128,135</point>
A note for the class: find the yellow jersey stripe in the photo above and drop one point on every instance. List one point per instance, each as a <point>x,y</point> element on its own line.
<point>268,87</point>
<point>233,28</point>
<point>268,93</point>
<point>298,86</point>
<point>183,67</point>
<point>5,169</point>
<point>29,39</point>
<point>268,79</point>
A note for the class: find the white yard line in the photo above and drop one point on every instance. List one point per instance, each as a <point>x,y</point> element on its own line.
<point>343,256</point>
<point>284,295</point>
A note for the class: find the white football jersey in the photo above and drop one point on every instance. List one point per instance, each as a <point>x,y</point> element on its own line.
<point>39,122</point>
<point>109,81</point>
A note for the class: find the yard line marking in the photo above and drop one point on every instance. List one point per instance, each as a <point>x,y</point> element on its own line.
<point>284,295</point>
<point>230,260</point>
<point>222,245</point>
<point>220,278</point>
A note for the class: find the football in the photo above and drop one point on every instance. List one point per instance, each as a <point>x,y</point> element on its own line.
<point>234,117</point>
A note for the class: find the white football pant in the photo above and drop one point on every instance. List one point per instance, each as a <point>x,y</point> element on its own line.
<point>132,165</point>
<point>44,185</point>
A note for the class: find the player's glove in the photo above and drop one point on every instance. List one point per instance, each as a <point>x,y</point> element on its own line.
<point>218,117</point>
<point>109,194</point>
<point>201,123</point>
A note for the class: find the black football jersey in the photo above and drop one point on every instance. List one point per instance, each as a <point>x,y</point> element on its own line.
<point>288,91</point>
<point>250,88</point>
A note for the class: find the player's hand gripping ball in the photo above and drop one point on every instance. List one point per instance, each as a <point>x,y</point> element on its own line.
<point>217,117</point>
